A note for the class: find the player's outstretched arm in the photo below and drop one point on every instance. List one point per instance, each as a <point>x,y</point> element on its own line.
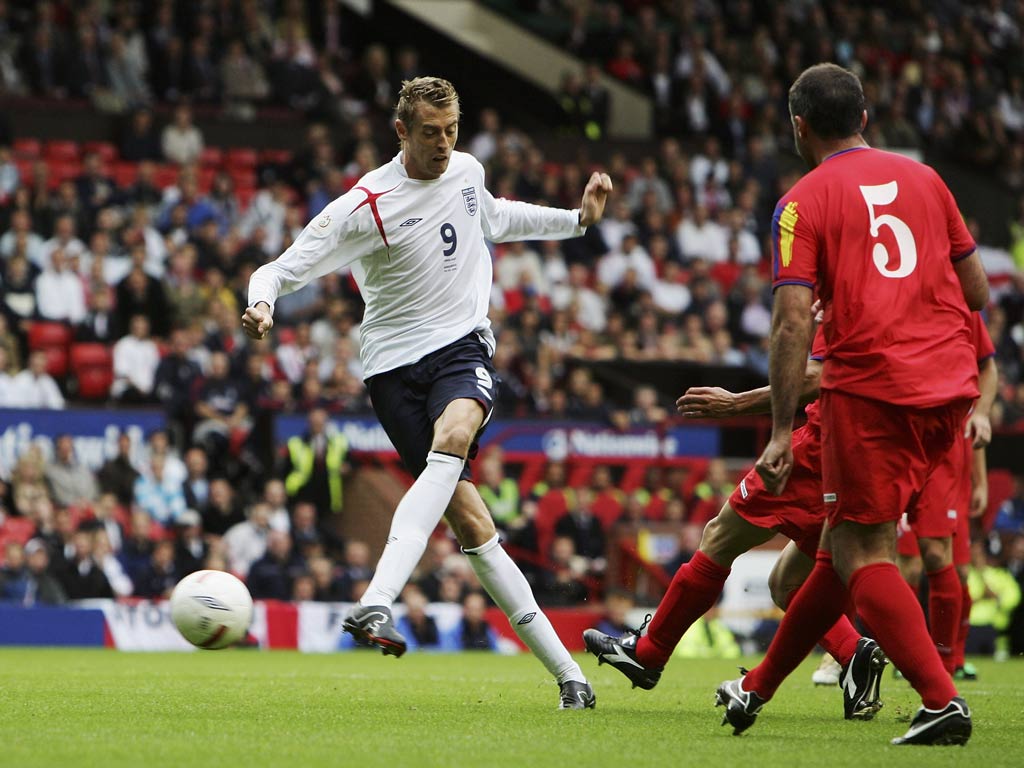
<point>791,335</point>
<point>718,403</point>
<point>595,195</point>
<point>333,240</point>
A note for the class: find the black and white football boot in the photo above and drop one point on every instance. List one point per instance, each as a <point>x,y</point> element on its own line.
<point>373,625</point>
<point>741,707</point>
<point>573,694</point>
<point>861,679</point>
<point>949,726</point>
<point>620,652</point>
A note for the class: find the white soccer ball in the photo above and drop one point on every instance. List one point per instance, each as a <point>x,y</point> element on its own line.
<point>211,609</point>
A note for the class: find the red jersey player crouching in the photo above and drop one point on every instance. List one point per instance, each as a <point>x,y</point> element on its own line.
<point>752,516</point>
<point>880,238</point>
<point>937,539</point>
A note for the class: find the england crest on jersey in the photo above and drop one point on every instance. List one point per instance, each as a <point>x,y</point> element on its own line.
<point>469,198</point>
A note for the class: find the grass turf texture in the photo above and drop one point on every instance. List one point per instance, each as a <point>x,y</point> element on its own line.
<point>75,708</point>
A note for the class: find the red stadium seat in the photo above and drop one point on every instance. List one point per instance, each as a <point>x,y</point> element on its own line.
<point>244,195</point>
<point>211,157</point>
<point>206,176</point>
<point>24,169</point>
<point>124,174</point>
<point>57,362</point>
<point>66,151</point>
<point>28,148</point>
<point>107,151</point>
<point>46,335</point>
<point>242,158</point>
<point>276,156</point>
<point>94,383</point>
<point>92,366</point>
<point>242,177</point>
<point>166,176</point>
<point>18,529</point>
<point>90,355</point>
<point>726,274</point>
<point>64,170</point>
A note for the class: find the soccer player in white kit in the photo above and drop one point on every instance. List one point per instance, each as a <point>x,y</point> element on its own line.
<point>413,232</point>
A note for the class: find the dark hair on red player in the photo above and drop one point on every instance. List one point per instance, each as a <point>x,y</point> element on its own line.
<point>830,99</point>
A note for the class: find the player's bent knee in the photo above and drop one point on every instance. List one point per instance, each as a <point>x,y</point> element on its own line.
<point>779,589</point>
<point>936,554</point>
<point>709,540</point>
<point>454,439</point>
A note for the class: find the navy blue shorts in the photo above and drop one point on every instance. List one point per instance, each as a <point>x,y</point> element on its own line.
<point>408,400</point>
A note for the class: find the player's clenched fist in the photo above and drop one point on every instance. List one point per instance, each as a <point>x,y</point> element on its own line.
<point>775,465</point>
<point>594,197</point>
<point>257,321</point>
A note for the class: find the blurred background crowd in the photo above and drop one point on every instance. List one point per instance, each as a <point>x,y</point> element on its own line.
<point>124,262</point>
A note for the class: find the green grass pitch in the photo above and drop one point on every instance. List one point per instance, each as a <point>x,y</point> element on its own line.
<point>73,708</point>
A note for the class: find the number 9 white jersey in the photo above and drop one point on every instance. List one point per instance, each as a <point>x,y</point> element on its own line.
<point>417,250</point>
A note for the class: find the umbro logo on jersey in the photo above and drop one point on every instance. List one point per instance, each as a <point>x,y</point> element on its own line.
<point>410,222</point>
<point>830,498</point>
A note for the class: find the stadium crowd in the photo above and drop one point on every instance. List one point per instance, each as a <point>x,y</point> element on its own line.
<point>943,76</point>
<point>143,245</point>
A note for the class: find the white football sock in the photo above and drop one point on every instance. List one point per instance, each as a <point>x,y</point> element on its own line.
<point>508,587</point>
<point>416,517</point>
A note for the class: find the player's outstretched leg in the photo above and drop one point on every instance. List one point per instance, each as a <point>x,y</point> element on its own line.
<point>856,661</point>
<point>694,590</point>
<point>373,625</point>
<point>949,726</point>
<point>887,603</point>
<point>511,592</point>
<point>416,516</point>
<point>620,652</point>
<point>741,706</point>
<point>815,608</point>
<point>861,680</point>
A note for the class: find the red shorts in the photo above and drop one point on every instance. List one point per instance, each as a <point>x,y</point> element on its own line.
<point>798,513</point>
<point>876,457</point>
<point>946,496</point>
<point>907,546</point>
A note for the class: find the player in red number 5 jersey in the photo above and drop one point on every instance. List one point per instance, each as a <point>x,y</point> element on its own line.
<point>880,238</point>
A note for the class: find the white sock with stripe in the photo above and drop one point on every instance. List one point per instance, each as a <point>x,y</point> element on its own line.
<point>508,587</point>
<point>416,517</point>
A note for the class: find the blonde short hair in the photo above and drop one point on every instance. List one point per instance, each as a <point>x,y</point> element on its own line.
<point>435,91</point>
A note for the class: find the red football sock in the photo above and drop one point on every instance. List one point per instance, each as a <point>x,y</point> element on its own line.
<point>965,626</point>
<point>817,606</point>
<point>945,595</point>
<point>883,598</point>
<point>841,641</point>
<point>693,592</point>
